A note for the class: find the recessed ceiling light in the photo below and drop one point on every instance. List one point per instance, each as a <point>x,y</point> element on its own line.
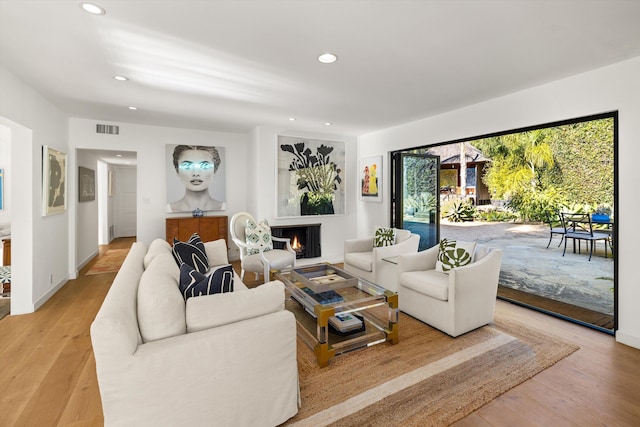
<point>121,78</point>
<point>328,123</point>
<point>118,155</point>
<point>292,119</point>
<point>327,58</point>
<point>92,9</point>
<point>133,108</point>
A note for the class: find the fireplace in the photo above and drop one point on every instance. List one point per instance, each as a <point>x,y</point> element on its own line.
<point>305,239</point>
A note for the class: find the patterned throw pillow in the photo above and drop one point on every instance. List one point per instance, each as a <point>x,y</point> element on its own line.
<point>453,254</point>
<point>384,236</point>
<point>191,252</point>
<point>258,234</point>
<point>194,284</point>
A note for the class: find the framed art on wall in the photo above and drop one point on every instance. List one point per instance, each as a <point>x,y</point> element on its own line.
<point>54,181</point>
<point>86,184</point>
<point>195,178</point>
<point>310,177</point>
<point>370,171</point>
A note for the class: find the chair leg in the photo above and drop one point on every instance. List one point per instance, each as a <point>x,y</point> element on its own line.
<point>561,239</point>
<point>550,237</point>
<point>591,249</point>
<point>565,247</point>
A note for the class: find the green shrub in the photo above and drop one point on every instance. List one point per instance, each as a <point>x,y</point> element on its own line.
<point>461,211</point>
<point>536,205</point>
<point>496,215</point>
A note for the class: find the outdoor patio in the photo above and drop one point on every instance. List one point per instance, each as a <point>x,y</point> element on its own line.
<point>527,264</point>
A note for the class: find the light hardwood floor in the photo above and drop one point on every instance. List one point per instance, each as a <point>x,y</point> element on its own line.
<point>47,369</point>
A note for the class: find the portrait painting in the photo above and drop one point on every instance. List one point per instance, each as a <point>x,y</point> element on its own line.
<point>195,178</point>
<point>54,181</point>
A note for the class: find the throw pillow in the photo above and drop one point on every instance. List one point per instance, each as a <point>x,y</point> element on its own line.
<point>193,283</point>
<point>384,236</point>
<point>258,234</point>
<point>192,253</point>
<point>453,254</point>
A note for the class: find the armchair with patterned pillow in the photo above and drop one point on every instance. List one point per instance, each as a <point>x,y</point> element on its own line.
<point>364,257</point>
<point>451,286</point>
<point>255,243</point>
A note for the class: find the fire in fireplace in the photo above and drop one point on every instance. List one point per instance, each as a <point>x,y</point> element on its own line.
<point>305,239</point>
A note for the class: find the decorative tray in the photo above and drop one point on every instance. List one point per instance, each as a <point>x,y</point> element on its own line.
<point>323,277</point>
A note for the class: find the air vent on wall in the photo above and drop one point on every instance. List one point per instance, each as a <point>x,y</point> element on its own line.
<point>108,129</point>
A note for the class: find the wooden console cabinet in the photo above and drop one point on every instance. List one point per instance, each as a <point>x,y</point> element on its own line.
<point>208,227</point>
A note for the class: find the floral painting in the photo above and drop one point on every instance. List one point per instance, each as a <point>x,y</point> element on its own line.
<point>371,179</point>
<point>310,177</point>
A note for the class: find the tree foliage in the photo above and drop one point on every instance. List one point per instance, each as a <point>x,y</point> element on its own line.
<point>542,170</point>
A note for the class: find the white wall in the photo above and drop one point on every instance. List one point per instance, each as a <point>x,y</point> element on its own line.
<point>39,245</point>
<point>5,165</point>
<point>262,203</point>
<point>611,88</point>
<point>149,142</point>
<point>87,213</point>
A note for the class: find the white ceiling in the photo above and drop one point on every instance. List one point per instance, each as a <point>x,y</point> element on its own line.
<point>235,65</point>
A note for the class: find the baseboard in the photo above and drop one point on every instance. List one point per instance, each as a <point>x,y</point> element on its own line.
<point>86,260</point>
<point>40,302</point>
<point>628,339</point>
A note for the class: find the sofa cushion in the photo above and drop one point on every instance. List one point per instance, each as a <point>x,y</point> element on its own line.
<point>161,310</point>
<point>216,252</point>
<point>194,284</point>
<point>384,236</point>
<point>156,247</point>
<point>191,252</point>
<point>454,253</point>
<point>360,260</point>
<point>210,311</point>
<point>258,234</point>
<point>427,282</point>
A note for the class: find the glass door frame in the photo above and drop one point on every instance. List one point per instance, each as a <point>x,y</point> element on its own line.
<point>397,189</point>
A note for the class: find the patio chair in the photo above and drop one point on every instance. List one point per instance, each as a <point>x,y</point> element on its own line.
<point>579,227</point>
<point>556,226</point>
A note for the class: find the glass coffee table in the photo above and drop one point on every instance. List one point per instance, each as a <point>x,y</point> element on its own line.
<point>337,312</point>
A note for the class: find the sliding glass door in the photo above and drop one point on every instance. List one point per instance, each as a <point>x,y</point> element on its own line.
<point>415,204</point>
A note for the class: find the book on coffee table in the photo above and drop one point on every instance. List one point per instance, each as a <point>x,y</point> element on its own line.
<point>345,322</point>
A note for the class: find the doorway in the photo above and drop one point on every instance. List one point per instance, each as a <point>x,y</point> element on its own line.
<point>521,176</point>
<point>415,201</point>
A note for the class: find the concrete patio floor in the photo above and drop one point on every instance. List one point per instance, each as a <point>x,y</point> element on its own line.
<point>527,264</point>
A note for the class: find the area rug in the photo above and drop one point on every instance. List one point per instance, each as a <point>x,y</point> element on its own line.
<point>110,262</point>
<point>427,379</point>
<point>5,307</point>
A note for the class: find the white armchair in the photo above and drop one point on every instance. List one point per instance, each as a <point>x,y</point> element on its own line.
<point>364,260</point>
<point>454,303</point>
<point>263,261</point>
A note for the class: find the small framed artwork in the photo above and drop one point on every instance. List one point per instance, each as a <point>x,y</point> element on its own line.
<point>370,172</point>
<point>86,184</point>
<point>54,181</point>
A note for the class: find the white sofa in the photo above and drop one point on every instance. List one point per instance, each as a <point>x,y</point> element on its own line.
<point>364,260</point>
<point>454,303</point>
<point>223,359</point>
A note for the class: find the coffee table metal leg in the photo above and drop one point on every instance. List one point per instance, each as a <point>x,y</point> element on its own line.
<point>324,351</point>
<point>392,330</point>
